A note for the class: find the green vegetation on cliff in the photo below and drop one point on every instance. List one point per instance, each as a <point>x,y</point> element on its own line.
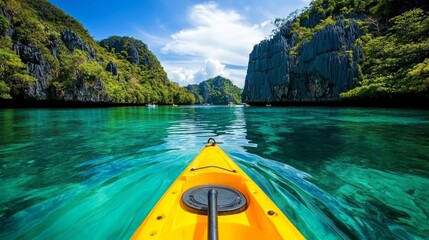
<point>217,90</point>
<point>396,65</point>
<point>47,55</point>
<point>394,43</point>
<point>13,75</point>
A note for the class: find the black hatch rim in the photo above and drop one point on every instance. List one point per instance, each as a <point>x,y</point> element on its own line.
<point>229,200</point>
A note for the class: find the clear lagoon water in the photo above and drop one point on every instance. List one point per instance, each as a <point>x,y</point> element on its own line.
<point>337,173</point>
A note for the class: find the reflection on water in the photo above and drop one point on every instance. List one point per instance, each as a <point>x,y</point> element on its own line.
<point>337,173</point>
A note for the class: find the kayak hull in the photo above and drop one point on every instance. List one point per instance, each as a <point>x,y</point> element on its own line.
<point>171,219</point>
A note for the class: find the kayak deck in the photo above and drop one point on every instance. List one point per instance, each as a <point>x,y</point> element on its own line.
<point>170,218</point>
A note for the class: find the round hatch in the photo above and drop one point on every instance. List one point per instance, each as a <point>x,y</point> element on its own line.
<point>229,200</point>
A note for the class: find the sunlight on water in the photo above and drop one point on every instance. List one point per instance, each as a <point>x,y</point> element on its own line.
<point>337,173</point>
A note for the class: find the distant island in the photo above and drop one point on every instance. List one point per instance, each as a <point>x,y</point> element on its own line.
<point>350,52</point>
<point>218,90</point>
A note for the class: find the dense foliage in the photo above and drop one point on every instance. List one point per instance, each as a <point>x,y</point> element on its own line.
<point>395,43</point>
<point>396,65</point>
<point>46,54</point>
<point>13,75</point>
<point>218,90</point>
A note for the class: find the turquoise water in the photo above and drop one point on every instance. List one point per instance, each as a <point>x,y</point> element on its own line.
<point>338,173</point>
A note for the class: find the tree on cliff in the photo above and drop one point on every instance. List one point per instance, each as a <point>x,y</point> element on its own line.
<point>347,49</point>
<point>217,90</point>
<point>47,55</point>
<point>396,64</point>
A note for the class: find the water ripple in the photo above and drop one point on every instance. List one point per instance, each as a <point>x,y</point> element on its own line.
<point>336,173</point>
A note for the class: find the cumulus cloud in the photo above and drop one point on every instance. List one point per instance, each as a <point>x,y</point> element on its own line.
<point>216,37</point>
<point>211,68</point>
<point>237,77</point>
<point>182,76</point>
<point>218,34</point>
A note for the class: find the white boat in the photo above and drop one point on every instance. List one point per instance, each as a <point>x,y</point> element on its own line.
<point>151,105</point>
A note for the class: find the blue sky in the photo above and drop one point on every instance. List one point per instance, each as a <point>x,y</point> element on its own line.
<point>194,40</point>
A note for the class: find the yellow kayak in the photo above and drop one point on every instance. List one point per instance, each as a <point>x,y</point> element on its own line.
<point>214,198</point>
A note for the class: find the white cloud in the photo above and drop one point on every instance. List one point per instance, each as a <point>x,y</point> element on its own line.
<point>216,33</point>
<point>182,76</point>
<point>185,76</point>
<point>212,68</point>
<point>150,39</point>
<point>216,37</point>
<point>237,77</point>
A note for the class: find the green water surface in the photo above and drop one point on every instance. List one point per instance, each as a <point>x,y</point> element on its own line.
<point>337,173</point>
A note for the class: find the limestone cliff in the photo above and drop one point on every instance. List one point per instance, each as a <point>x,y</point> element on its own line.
<point>47,55</point>
<point>137,53</point>
<point>317,70</point>
<point>317,55</point>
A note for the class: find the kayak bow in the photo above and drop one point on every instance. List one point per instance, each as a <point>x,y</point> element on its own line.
<point>214,198</point>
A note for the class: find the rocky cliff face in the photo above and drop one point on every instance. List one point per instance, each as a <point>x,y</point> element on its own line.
<point>316,70</point>
<point>48,55</point>
<point>127,47</point>
<point>37,67</point>
<point>135,52</point>
<point>72,41</point>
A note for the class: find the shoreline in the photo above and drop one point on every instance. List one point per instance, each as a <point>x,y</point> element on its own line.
<point>369,103</point>
<point>10,103</point>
